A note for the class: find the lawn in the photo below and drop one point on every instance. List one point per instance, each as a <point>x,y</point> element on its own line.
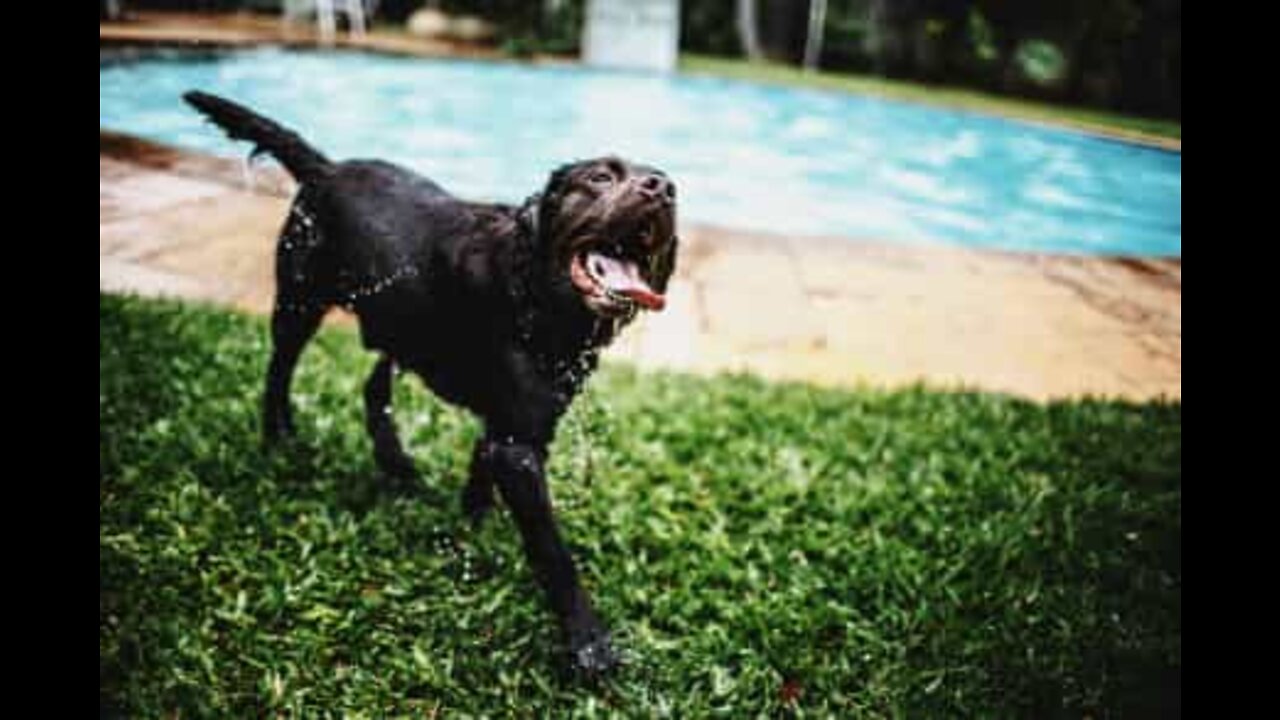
<point>759,549</point>
<point>1153,130</point>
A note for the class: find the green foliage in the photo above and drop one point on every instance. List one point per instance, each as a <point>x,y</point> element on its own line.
<point>982,37</point>
<point>1119,54</point>
<point>845,39</point>
<point>709,26</point>
<point>1127,51</point>
<point>1042,62</point>
<point>524,28</point>
<point>760,549</point>
<point>556,31</point>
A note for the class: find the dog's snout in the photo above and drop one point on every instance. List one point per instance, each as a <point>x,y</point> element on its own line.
<point>657,186</point>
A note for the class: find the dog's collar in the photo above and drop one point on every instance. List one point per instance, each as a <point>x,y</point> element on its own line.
<point>567,359</point>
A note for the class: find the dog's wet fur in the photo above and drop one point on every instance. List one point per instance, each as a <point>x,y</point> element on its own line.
<point>499,309</point>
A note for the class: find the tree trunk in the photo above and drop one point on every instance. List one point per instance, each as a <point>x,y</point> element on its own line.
<point>747,29</point>
<point>813,40</point>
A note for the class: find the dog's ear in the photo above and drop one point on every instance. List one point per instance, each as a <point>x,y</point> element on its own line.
<point>552,193</point>
<point>558,178</point>
<point>527,216</point>
<point>664,265</point>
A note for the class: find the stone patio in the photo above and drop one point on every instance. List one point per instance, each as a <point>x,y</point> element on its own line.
<point>833,311</point>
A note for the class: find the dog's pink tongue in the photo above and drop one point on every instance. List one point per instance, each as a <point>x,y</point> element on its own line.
<point>623,277</point>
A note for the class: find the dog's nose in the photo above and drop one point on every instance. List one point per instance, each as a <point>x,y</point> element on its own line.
<point>657,186</point>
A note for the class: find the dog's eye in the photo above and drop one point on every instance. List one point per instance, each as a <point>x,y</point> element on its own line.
<point>600,177</point>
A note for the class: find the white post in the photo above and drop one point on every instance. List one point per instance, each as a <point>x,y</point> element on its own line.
<point>632,34</point>
<point>355,16</point>
<point>324,15</point>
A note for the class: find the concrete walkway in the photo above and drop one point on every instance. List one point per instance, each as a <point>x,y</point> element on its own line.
<point>828,310</point>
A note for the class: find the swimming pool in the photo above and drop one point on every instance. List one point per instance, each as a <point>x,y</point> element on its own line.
<point>748,156</point>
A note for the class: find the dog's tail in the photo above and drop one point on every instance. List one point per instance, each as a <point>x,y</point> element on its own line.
<point>304,162</point>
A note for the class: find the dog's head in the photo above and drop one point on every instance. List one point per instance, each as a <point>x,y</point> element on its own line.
<point>607,231</point>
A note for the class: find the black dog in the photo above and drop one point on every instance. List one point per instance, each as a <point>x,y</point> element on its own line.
<point>500,309</point>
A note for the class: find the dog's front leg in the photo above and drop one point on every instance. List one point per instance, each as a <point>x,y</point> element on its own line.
<point>519,470</point>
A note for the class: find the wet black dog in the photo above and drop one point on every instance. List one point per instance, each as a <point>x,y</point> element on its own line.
<point>500,309</point>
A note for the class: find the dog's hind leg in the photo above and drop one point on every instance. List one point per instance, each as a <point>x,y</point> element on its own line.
<point>291,328</point>
<point>302,299</point>
<point>387,450</point>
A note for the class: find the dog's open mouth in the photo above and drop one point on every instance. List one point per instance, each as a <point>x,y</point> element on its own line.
<point>611,285</point>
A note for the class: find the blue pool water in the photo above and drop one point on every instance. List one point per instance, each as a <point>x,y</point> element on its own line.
<point>744,155</point>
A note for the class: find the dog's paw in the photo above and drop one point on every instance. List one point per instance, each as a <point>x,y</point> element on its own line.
<point>592,656</point>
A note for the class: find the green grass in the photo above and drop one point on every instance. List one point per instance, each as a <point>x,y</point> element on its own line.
<point>1138,128</point>
<point>759,549</point>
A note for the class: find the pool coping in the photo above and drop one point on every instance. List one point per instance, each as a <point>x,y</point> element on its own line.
<point>245,30</point>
